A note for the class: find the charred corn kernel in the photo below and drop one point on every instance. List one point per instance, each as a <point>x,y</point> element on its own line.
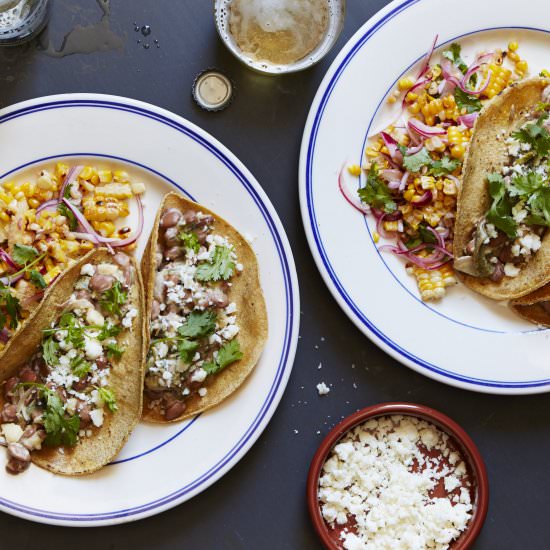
<point>432,283</point>
<point>105,176</point>
<point>4,217</point>
<point>57,253</point>
<point>102,209</point>
<point>513,46</point>
<point>406,83</point>
<point>375,236</point>
<point>500,78</point>
<point>354,169</point>
<point>121,176</point>
<point>61,170</point>
<point>86,173</point>
<point>449,187</point>
<point>391,226</point>
<point>115,190</point>
<point>427,182</point>
<point>138,188</point>
<point>405,208</point>
<point>521,67</point>
<point>52,274</point>
<point>435,144</point>
<point>436,71</point>
<point>105,228</point>
<point>513,56</point>
<point>457,151</point>
<point>409,194</point>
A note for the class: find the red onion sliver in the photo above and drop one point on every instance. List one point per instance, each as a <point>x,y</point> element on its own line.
<point>48,205</point>
<point>391,174</point>
<point>5,257</point>
<point>428,57</point>
<point>404,181</point>
<point>69,178</point>
<point>424,129</point>
<point>424,199</point>
<point>348,196</point>
<point>468,120</point>
<point>463,83</point>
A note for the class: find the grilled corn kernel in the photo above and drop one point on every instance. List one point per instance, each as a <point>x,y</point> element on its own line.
<point>449,187</point>
<point>391,99</point>
<point>115,190</point>
<point>86,245</point>
<point>45,181</point>
<point>500,78</point>
<point>138,188</point>
<point>105,228</point>
<point>86,173</point>
<point>391,226</point>
<point>375,236</point>
<point>521,67</point>
<point>4,217</point>
<point>513,46</point>
<point>61,170</point>
<point>545,73</point>
<point>406,83</point>
<point>105,176</point>
<point>52,274</point>
<point>427,182</point>
<point>432,283</point>
<point>354,169</point>
<point>457,151</point>
<point>121,176</point>
<point>409,194</point>
<point>102,209</point>
<point>513,56</point>
<point>5,197</point>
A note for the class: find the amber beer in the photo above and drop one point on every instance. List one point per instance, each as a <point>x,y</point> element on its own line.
<point>279,35</point>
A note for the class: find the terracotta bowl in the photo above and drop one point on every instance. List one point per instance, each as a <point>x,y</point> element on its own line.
<point>461,439</point>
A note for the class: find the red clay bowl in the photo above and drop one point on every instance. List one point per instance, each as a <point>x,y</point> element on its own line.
<point>462,440</point>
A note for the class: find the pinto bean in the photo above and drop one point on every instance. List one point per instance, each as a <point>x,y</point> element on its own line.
<point>83,295</point>
<point>9,413</point>
<point>214,297</point>
<point>28,375</point>
<point>128,273</point>
<point>102,362</point>
<point>155,309</point>
<point>84,413</point>
<point>174,410</point>
<point>121,259</point>
<point>173,252</point>
<point>170,218</point>
<point>189,216</point>
<point>101,283</point>
<point>498,273</point>
<point>80,385</point>
<point>19,458</point>
<point>9,384</point>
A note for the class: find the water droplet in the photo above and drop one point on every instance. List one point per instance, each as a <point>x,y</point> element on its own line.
<point>146,30</point>
<point>136,27</point>
<point>146,46</point>
<point>155,41</point>
<point>139,41</point>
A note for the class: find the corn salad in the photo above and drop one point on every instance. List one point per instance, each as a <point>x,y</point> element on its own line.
<point>413,168</point>
<point>38,241</point>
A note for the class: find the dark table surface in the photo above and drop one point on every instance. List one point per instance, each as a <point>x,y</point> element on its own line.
<point>261,503</point>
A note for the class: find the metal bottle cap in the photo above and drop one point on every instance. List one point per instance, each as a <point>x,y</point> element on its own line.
<point>212,90</point>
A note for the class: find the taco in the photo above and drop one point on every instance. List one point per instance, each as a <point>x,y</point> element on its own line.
<point>206,311</point>
<point>71,379</point>
<point>534,307</point>
<point>502,241</point>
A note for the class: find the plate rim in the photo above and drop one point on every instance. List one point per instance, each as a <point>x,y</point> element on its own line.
<point>335,286</point>
<point>291,320</point>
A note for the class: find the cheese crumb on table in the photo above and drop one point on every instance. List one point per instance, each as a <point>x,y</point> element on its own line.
<point>387,485</point>
<point>322,388</point>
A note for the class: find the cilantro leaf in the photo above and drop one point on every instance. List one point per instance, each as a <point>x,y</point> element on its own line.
<point>9,305</point>
<point>227,354</point>
<point>376,192</point>
<point>113,299</point>
<point>500,212</point>
<point>524,185</point>
<point>109,330</point>
<point>198,324</point>
<point>444,166</point>
<point>190,240</point>
<point>37,280</point>
<point>186,349</point>
<point>539,205</point>
<point>60,429</point>
<point>453,55</point>
<point>75,331</point>
<point>536,135</point>
<point>114,351</point>
<point>109,398</point>
<point>50,347</point>
<point>219,266</point>
<point>467,101</point>
<point>414,163</point>
<point>22,255</point>
<point>79,366</point>
<point>64,210</point>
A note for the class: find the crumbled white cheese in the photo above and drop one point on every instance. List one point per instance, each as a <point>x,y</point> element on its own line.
<point>199,375</point>
<point>108,269</point>
<point>130,315</point>
<point>87,269</point>
<point>231,308</point>
<point>322,388</point>
<point>12,432</point>
<point>202,392</point>
<point>93,317</point>
<point>92,347</point>
<point>510,270</point>
<point>96,417</point>
<point>379,478</point>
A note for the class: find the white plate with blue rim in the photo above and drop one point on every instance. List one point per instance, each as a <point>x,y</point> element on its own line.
<point>464,340</point>
<point>161,466</point>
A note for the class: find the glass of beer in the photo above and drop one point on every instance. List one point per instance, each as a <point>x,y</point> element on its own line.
<point>21,20</point>
<point>279,36</point>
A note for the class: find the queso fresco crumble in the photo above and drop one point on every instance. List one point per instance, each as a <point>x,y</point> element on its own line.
<point>396,482</point>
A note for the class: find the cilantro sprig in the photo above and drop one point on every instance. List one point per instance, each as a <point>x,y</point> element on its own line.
<point>500,212</point>
<point>439,167</point>
<point>61,429</point>
<point>220,266</point>
<point>23,255</point>
<point>113,299</point>
<point>227,354</point>
<point>79,366</point>
<point>376,193</point>
<point>536,135</point>
<point>108,397</point>
<point>466,101</point>
<point>453,55</point>
<point>190,240</point>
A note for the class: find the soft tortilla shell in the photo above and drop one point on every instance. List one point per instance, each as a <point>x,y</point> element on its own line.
<point>126,378</point>
<point>531,306</point>
<point>246,292</point>
<point>487,153</point>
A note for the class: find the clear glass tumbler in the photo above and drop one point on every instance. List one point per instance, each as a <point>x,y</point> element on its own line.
<point>21,20</point>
